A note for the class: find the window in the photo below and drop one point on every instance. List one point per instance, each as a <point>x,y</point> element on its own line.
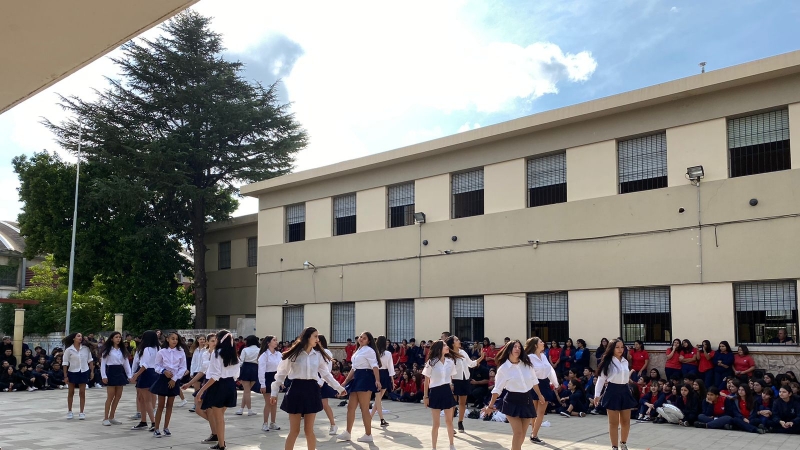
<point>763,308</point>
<point>466,318</point>
<point>344,215</point>
<point>401,205</point>
<point>547,180</point>
<point>296,223</point>
<point>467,194</point>
<point>548,316</point>
<point>224,255</point>
<point>292,322</point>
<point>252,252</point>
<point>646,315</point>
<point>399,320</point>
<point>759,143</point>
<point>8,275</point>
<point>642,163</point>
<point>343,322</point>
<point>223,322</point>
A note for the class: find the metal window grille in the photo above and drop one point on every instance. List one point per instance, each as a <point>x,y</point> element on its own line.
<point>401,205</point>
<point>344,215</point>
<point>759,143</point>
<point>466,318</point>
<point>467,194</point>
<point>547,180</point>
<point>292,322</point>
<point>399,320</point>
<point>642,163</point>
<point>8,276</point>
<point>764,307</point>
<point>223,322</point>
<point>252,252</point>
<point>343,321</point>
<point>646,315</point>
<point>224,257</point>
<point>296,223</point>
<point>548,316</point>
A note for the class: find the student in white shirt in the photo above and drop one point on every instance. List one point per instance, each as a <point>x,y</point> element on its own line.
<point>144,363</point>
<point>219,392</point>
<point>195,367</point>
<point>304,363</point>
<point>461,382</point>
<point>326,391</point>
<point>365,380</point>
<point>439,371</point>
<point>171,366</point>
<point>115,372</point>
<point>77,355</point>
<point>203,355</point>
<point>546,375</point>
<point>268,360</point>
<point>386,375</point>
<point>248,373</point>
<point>617,398</point>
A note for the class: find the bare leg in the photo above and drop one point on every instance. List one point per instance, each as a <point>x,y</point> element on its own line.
<point>518,426</point>
<point>363,401</point>
<point>246,397</point>
<point>168,412</point>
<point>378,406</point>
<point>82,395</point>
<point>448,415</point>
<point>308,426</point>
<point>266,407</point>
<point>115,403</point>
<point>161,401</point>
<point>537,422</point>
<point>328,411</point>
<point>435,427</point>
<point>625,424</point>
<point>219,414</point>
<point>110,392</point>
<point>294,431</point>
<point>613,427</point>
<point>351,411</point>
<point>70,395</point>
<point>273,412</point>
<point>462,407</point>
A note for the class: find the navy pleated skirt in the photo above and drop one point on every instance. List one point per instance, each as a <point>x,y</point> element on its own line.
<point>518,404</point>
<point>221,394</point>
<point>461,387</point>
<point>116,375</point>
<point>78,378</point>
<point>618,397</point>
<point>303,397</point>
<point>441,397</point>
<point>363,381</point>
<point>248,372</point>
<point>547,391</point>
<point>162,389</point>
<point>269,377</point>
<point>147,379</point>
<point>386,379</point>
<point>327,391</point>
<point>202,381</point>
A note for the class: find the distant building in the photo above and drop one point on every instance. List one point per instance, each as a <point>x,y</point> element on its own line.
<point>15,273</point>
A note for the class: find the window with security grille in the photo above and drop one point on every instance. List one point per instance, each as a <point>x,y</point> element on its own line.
<point>646,315</point>
<point>548,316</point>
<point>759,143</point>
<point>399,320</point>
<point>252,252</point>
<point>344,214</point>
<point>8,275</point>
<point>547,180</point>
<point>642,163</point>
<point>223,322</point>
<point>296,223</point>
<point>401,205</point>
<point>224,257</point>
<point>467,194</point>
<point>292,322</point>
<point>762,309</point>
<point>343,322</point>
<point>466,318</point>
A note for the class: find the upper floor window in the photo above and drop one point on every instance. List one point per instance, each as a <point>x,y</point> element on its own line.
<point>8,276</point>
<point>343,322</point>
<point>344,214</point>
<point>292,322</point>
<point>296,223</point>
<point>252,252</point>
<point>766,312</point>
<point>548,316</point>
<point>224,261</point>
<point>759,143</point>
<point>642,163</point>
<point>467,194</point>
<point>466,318</point>
<point>399,320</point>
<point>547,180</point>
<point>401,205</point>
<point>646,314</point>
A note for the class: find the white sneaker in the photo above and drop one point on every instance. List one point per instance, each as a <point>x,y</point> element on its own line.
<point>106,423</point>
<point>265,427</point>
<point>81,416</point>
<point>98,385</point>
<point>365,438</point>
<point>239,411</point>
<point>34,388</point>
<point>452,447</point>
<point>136,416</point>
<point>274,427</point>
<point>250,412</point>
<point>345,436</point>
<point>115,422</point>
<point>61,386</point>
<point>70,415</point>
<point>30,389</point>
<point>334,429</point>
<point>181,404</point>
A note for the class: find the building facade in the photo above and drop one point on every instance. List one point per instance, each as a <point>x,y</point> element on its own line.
<point>15,273</point>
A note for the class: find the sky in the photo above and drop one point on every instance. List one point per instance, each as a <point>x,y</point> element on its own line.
<point>364,77</point>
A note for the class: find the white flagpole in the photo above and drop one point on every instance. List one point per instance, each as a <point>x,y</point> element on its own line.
<point>74,228</point>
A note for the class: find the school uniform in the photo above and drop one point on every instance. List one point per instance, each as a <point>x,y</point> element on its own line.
<point>173,360</point>
<point>305,371</point>
<point>461,384</point>
<point>720,373</point>
<point>546,375</point>
<point>787,412</point>
<point>672,366</point>
<point>441,373</point>
<point>267,367</point>
<point>205,358</point>
<point>221,394</point>
<point>386,372</point>
<point>147,360</point>
<point>324,389</point>
<point>656,400</point>
<point>689,368</point>
<point>582,358</point>
<point>364,360</point>
<point>115,368</point>
<point>78,362</point>
<point>249,363</point>
<point>517,380</point>
<point>617,395</point>
<point>197,362</point>
<point>713,411</point>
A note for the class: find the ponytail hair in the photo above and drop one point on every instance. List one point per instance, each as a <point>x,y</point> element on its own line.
<point>225,348</point>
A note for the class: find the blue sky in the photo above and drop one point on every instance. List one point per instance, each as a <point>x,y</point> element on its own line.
<point>365,76</point>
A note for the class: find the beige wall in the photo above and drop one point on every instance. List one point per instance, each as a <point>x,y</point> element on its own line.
<point>212,257</point>
<point>371,316</point>
<point>432,197</point>
<point>238,253</point>
<point>505,315</point>
<point>699,144</point>
<point>319,218</point>
<point>318,315</point>
<point>269,320</point>
<point>371,209</point>
<point>592,170</point>
<point>703,311</point>
<point>271,226</point>
<point>593,315</point>
<point>431,317</point>
<point>794,134</point>
<point>504,186</point>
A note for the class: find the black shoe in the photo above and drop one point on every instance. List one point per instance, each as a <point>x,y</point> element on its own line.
<point>700,425</point>
<point>343,403</point>
<point>384,423</point>
<point>536,440</point>
<point>210,439</point>
<point>141,426</point>
<point>728,426</point>
<point>460,427</point>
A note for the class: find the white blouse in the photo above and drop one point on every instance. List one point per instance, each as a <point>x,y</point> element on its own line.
<point>440,373</point>
<point>463,365</point>
<point>77,360</point>
<point>249,354</point>
<point>543,368</point>
<point>514,378</point>
<point>365,358</point>
<point>268,362</point>
<point>172,359</point>
<point>217,370</point>
<point>147,360</point>
<point>197,361</point>
<point>330,365</point>
<point>307,366</point>
<point>114,358</point>
<point>387,363</point>
<point>618,373</point>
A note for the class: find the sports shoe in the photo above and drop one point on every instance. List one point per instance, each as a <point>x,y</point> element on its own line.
<point>115,422</point>
<point>343,403</point>
<point>700,425</point>
<point>191,410</point>
<point>581,414</point>
<point>274,427</point>
<point>152,428</point>
<point>265,427</point>
<point>761,431</point>
<point>623,446</point>
<point>210,439</point>
<point>156,433</point>
<point>167,433</point>
<point>81,416</point>
<point>365,438</point>
<point>452,447</point>
<point>70,415</point>
<point>181,404</point>
<point>384,423</point>
<point>98,385</point>
<point>30,389</point>
<point>61,386</point>
<point>136,416</point>
<point>141,426</point>
<point>641,416</point>
<point>106,423</point>
<point>239,412</point>
<point>565,414</point>
<point>333,430</point>
<point>536,440</point>
<point>594,412</point>
<point>345,436</point>
<point>250,412</point>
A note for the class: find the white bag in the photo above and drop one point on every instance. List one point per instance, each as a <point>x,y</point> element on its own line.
<point>670,413</point>
<point>498,417</point>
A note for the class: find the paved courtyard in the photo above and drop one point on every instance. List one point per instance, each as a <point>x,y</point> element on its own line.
<point>35,420</point>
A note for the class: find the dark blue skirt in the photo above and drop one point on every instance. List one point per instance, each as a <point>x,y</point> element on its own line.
<point>202,381</point>
<point>386,379</point>
<point>116,375</point>
<point>618,397</point>
<point>147,379</point>
<point>162,389</point>
<point>78,378</point>
<point>303,397</point>
<point>248,372</point>
<point>518,404</point>
<point>221,394</point>
<point>547,392</point>
<point>363,381</point>
<point>269,378</point>
<point>461,387</point>
<point>328,392</point>
<point>441,397</point>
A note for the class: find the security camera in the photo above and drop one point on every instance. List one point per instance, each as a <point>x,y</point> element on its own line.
<point>286,302</point>
<point>306,265</point>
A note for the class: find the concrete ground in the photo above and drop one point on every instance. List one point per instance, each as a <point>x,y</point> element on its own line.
<point>36,420</point>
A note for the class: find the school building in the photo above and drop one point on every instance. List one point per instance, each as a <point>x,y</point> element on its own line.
<point>666,212</point>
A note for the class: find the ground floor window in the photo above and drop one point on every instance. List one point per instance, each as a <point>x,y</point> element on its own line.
<point>548,316</point>
<point>763,308</point>
<point>399,320</point>
<point>466,318</point>
<point>343,322</point>
<point>292,322</point>
<point>646,314</point>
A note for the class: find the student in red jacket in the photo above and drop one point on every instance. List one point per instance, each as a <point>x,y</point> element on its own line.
<point>672,367</point>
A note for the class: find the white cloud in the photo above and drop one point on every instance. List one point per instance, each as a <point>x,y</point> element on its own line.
<point>467,127</point>
<point>674,9</point>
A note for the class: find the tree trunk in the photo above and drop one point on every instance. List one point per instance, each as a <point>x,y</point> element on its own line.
<point>200,281</point>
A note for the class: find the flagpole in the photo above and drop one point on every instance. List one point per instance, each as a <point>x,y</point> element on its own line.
<point>74,228</point>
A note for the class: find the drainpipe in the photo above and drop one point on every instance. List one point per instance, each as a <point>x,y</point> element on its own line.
<point>22,274</point>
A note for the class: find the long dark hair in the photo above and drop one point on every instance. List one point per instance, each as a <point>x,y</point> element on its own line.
<point>605,361</point>
<point>686,346</point>
<point>435,353</point>
<point>371,344</point>
<point>149,339</point>
<point>602,348</point>
<point>300,345</point>
<point>181,342</point>
<point>70,340</point>
<point>251,340</point>
<point>323,341</point>
<point>380,344</point>
<point>109,345</point>
<point>451,342</point>
<point>505,352</point>
<point>225,348</point>
<point>265,343</point>
<point>727,346</point>
<point>531,345</point>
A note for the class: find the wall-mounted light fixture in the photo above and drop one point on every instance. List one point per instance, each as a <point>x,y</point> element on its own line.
<point>695,173</point>
<point>419,217</point>
<point>307,264</point>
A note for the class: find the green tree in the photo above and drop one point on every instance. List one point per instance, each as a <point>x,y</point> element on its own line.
<point>180,131</point>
